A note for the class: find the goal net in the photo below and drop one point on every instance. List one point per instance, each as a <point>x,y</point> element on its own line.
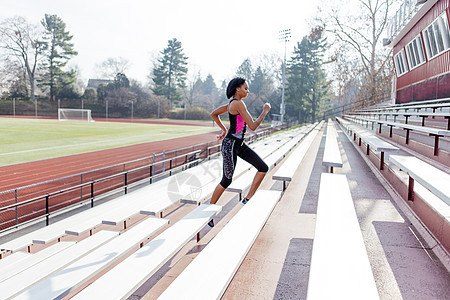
<point>71,114</point>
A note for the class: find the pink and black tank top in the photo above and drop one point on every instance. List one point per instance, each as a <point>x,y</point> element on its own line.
<point>237,125</point>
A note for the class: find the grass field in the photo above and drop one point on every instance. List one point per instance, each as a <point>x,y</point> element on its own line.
<point>24,140</point>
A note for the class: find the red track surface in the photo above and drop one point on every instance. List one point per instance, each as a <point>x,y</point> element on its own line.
<point>24,174</point>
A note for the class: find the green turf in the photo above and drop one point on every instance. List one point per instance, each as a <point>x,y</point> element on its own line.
<point>24,140</point>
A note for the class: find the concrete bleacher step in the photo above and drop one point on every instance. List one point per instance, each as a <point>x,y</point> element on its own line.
<point>127,276</point>
<point>12,269</point>
<point>209,274</point>
<point>340,267</point>
<point>34,274</point>
<point>61,283</point>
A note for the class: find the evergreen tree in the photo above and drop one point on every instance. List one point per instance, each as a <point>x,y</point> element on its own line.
<point>60,50</point>
<point>170,73</point>
<point>246,71</point>
<point>306,81</point>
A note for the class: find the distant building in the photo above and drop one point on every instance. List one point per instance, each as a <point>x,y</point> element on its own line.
<point>94,83</point>
<point>419,34</point>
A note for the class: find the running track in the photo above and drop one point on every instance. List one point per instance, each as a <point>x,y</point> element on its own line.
<point>19,175</point>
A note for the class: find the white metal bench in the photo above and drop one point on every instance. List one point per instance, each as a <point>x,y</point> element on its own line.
<point>287,170</point>
<point>433,179</point>
<point>240,184</point>
<point>13,258</point>
<point>16,284</point>
<point>435,132</point>
<point>340,267</point>
<point>331,155</point>
<point>370,139</point>
<point>132,272</point>
<point>12,269</point>
<point>209,274</point>
<point>271,149</point>
<point>61,283</point>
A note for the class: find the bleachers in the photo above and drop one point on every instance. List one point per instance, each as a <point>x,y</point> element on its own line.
<point>331,155</point>
<point>370,139</point>
<point>128,275</point>
<point>209,274</point>
<point>287,170</point>
<point>60,284</point>
<point>434,132</point>
<point>340,267</point>
<point>419,170</point>
<point>37,272</point>
<point>435,180</point>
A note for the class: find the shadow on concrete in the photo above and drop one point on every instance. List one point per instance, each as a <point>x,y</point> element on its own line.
<point>293,281</point>
<point>309,203</point>
<point>417,271</point>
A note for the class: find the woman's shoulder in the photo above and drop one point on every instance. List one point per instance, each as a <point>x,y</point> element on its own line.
<point>235,106</point>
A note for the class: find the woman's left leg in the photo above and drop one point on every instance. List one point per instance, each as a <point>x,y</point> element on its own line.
<point>250,156</point>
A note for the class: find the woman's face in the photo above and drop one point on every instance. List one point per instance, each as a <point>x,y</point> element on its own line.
<point>242,91</point>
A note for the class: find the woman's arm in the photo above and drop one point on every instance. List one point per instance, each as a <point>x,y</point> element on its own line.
<point>242,109</point>
<point>215,115</point>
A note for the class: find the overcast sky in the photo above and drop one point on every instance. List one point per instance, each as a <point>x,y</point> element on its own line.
<point>216,35</point>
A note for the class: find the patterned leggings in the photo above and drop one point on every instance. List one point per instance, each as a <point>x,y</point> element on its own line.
<point>231,149</point>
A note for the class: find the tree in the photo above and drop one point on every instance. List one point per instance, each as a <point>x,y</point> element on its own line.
<point>60,50</point>
<point>306,80</point>
<point>246,71</point>
<point>362,32</point>
<point>170,72</point>
<point>13,79</point>
<point>23,41</point>
<point>112,66</point>
<point>90,94</point>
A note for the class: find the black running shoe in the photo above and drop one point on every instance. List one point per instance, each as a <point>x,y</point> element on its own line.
<point>211,223</point>
<point>244,201</point>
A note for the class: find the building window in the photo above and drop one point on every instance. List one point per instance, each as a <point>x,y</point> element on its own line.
<point>437,36</point>
<point>400,63</point>
<point>415,52</point>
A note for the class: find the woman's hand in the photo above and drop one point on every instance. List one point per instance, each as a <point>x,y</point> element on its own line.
<point>222,135</point>
<point>267,107</point>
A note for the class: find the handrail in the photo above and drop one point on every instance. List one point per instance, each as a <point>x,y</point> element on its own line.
<point>195,157</point>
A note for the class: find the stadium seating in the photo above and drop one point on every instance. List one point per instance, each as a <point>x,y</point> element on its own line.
<point>332,155</point>
<point>340,267</point>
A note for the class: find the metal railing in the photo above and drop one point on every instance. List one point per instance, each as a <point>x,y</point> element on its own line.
<point>28,204</point>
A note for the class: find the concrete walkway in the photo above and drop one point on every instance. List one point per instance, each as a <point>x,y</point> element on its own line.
<point>277,266</point>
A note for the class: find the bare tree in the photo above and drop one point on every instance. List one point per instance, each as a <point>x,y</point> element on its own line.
<point>361,27</point>
<point>24,42</point>
<point>109,68</point>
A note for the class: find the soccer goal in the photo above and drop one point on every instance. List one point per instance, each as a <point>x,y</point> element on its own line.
<point>71,114</point>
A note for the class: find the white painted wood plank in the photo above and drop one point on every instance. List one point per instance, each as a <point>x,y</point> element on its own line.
<point>340,267</point>
<point>13,269</point>
<point>435,180</point>
<point>131,273</point>
<point>14,285</point>
<point>74,275</point>
<point>209,274</point>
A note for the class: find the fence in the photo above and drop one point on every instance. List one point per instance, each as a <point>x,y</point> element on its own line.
<point>24,205</point>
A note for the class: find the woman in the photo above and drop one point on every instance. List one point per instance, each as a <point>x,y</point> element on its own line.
<point>233,140</point>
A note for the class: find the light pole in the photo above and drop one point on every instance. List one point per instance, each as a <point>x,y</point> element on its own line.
<point>284,36</point>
